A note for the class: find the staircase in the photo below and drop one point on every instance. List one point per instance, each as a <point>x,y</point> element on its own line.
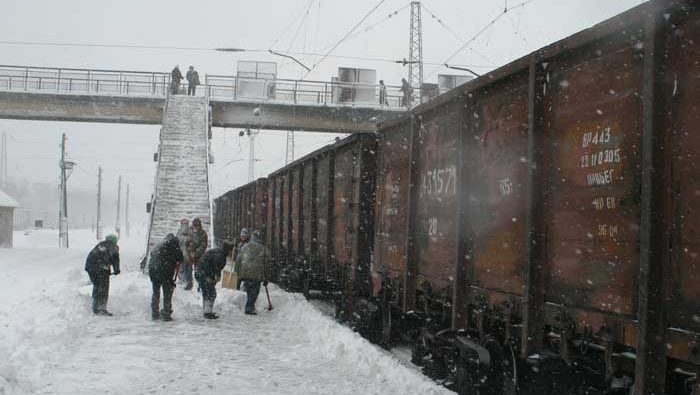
<point>182,181</point>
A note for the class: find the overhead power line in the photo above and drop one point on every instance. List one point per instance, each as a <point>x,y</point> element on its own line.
<point>128,46</point>
<point>480,32</point>
<point>454,34</point>
<point>344,37</point>
<point>289,25</point>
<point>374,59</point>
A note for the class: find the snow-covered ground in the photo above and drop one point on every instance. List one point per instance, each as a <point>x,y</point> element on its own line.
<point>50,343</point>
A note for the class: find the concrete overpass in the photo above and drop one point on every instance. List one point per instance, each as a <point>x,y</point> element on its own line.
<point>131,97</point>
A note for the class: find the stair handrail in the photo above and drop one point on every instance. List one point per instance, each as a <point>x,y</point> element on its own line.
<point>155,182</point>
<point>208,135</point>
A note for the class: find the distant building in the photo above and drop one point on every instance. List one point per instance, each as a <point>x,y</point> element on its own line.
<point>7,213</point>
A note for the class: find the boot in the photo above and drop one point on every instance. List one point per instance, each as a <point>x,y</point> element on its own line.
<point>208,310</point>
<point>166,315</point>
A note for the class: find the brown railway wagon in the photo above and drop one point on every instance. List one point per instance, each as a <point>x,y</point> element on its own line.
<point>223,206</point>
<point>571,234</point>
<point>244,207</point>
<point>326,217</point>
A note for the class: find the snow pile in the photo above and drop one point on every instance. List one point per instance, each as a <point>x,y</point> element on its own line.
<point>52,344</point>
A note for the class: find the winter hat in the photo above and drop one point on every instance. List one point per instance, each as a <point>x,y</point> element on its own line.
<point>245,232</point>
<point>170,239</point>
<point>197,221</point>
<point>184,221</point>
<point>113,238</point>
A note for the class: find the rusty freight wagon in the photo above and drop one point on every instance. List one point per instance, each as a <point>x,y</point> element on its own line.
<point>536,228</point>
<point>322,218</point>
<point>244,207</point>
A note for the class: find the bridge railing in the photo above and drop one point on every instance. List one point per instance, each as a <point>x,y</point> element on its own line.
<point>83,81</point>
<point>225,87</point>
<point>219,87</point>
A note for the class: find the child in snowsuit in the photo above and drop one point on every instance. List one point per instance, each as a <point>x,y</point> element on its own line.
<point>209,273</point>
<point>162,269</point>
<point>101,260</point>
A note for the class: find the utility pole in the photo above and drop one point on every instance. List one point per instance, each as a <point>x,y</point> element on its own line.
<point>126,211</point>
<point>415,51</point>
<point>117,227</point>
<point>251,156</point>
<point>66,167</point>
<point>99,204</point>
<point>3,162</point>
<point>290,147</point>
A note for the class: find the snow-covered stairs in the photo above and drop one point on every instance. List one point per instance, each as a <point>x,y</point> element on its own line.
<point>182,182</point>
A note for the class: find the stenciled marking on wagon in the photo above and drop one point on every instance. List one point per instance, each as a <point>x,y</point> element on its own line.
<point>600,178</point>
<point>608,230</point>
<point>505,186</point>
<point>605,203</point>
<point>432,227</point>
<point>601,157</point>
<point>441,181</point>
<point>597,137</point>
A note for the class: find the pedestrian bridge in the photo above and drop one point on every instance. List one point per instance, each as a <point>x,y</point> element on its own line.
<point>135,97</point>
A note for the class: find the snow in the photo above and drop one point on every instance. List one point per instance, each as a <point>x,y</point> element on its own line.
<point>50,343</point>
<point>7,201</point>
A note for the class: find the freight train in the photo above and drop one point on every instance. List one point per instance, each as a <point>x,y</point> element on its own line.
<point>534,231</point>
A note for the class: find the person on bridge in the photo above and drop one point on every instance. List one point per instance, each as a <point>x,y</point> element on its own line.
<point>242,240</point>
<point>175,78</point>
<point>198,242</point>
<point>192,81</point>
<point>209,273</point>
<point>184,235</point>
<point>252,263</point>
<point>162,269</point>
<point>382,94</point>
<point>101,260</point>
<point>407,93</point>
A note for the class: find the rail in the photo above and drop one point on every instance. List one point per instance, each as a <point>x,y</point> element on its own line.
<point>217,87</point>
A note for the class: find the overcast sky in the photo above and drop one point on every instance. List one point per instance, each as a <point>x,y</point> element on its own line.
<point>308,26</point>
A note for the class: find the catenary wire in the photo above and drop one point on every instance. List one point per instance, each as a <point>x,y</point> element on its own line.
<point>479,33</point>
<point>344,37</point>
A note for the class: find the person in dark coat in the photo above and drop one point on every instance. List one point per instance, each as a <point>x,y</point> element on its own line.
<point>209,273</point>
<point>162,269</point>
<point>383,101</point>
<point>407,91</point>
<point>175,78</point>
<point>192,81</point>
<point>198,241</point>
<point>102,260</point>
<point>252,263</point>
<point>243,239</point>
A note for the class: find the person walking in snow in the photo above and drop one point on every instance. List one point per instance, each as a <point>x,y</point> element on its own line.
<point>209,273</point>
<point>175,78</point>
<point>198,242</point>
<point>407,93</point>
<point>252,269</point>
<point>102,261</point>
<point>184,235</point>
<point>242,240</point>
<point>192,77</point>
<point>382,94</point>
<point>162,268</point>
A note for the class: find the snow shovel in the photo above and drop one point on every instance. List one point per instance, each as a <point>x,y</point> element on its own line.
<point>269,304</point>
